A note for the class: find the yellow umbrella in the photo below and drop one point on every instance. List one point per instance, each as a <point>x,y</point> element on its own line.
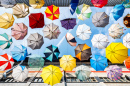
<point>6,20</point>
<point>67,62</point>
<point>36,4</point>
<point>116,52</point>
<point>51,75</point>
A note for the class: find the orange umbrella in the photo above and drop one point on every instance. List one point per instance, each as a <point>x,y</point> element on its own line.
<point>127,63</point>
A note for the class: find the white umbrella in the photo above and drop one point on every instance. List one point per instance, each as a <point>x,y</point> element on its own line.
<point>100,41</point>
<point>83,32</point>
<point>126,40</point>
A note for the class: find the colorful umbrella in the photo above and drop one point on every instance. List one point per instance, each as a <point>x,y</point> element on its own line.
<point>8,3</point>
<point>52,12</point>
<point>83,32</point>
<point>126,40</point>
<point>6,20</point>
<point>83,52</point>
<point>19,31</point>
<point>116,31</point>
<point>116,52</point>
<point>20,73</point>
<point>99,63</point>
<point>51,75</point>
<point>127,63</point>
<point>127,20</point>
<point>83,12</point>
<point>73,6</point>
<point>68,23</point>
<point>36,20</point>
<point>6,62</point>
<point>5,41</point>
<point>126,3</point>
<point>35,41</point>
<point>19,53</point>
<point>100,19</point>
<point>70,39</point>
<point>67,62</point>
<point>36,4</point>
<point>99,3</point>
<point>51,53</point>
<point>114,72</point>
<point>100,41</point>
<point>117,12</point>
<point>51,31</point>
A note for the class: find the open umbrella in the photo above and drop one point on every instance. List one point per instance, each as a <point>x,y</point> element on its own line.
<point>51,31</point>
<point>116,52</point>
<point>100,41</point>
<point>127,20</point>
<point>83,12</point>
<point>36,4</point>
<point>19,31</point>
<point>51,53</point>
<point>20,10</point>
<point>73,6</point>
<point>117,12</point>
<point>99,3</point>
<point>70,39</point>
<point>114,72</point>
<point>100,19</point>
<point>52,12</point>
<point>8,3</point>
<point>82,72</point>
<point>5,41</point>
<point>99,63</point>
<point>83,52</point>
<point>36,20</point>
<point>116,31</point>
<point>6,20</point>
<point>51,75</point>
<point>20,73</point>
<point>127,63</point>
<point>126,40</point>
<point>83,32</point>
<point>6,62</point>
<point>35,41</point>
<point>19,53</point>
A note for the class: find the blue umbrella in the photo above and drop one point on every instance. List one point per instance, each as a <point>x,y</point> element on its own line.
<point>99,63</point>
<point>73,6</point>
<point>19,53</point>
<point>117,12</point>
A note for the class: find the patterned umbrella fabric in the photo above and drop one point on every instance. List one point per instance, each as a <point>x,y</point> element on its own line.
<point>126,3</point>
<point>36,4</point>
<point>127,63</point>
<point>19,31</point>
<point>127,20</point>
<point>8,3</point>
<point>126,40</point>
<point>70,39</point>
<point>99,3</point>
<point>73,6</point>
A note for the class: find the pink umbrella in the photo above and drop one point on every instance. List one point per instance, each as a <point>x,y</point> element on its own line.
<point>19,31</point>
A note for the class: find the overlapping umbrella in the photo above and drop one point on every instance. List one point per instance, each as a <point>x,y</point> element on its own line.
<point>99,3</point>
<point>126,40</point>
<point>8,3</point>
<point>127,20</point>
<point>73,6</point>
<point>127,63</point>
<point>36,4</point>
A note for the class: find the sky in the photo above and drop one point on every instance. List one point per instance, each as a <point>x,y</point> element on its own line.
<point>64,47</point>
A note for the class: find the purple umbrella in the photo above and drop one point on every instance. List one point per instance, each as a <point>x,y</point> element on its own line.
<point>68,23</point>
<point>114,72</point>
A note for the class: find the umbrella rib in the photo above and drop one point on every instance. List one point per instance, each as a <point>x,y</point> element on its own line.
<point>116,58</point>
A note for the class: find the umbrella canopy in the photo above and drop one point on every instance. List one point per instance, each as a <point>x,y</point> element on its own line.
<point>127,63</point>
<point>51,53</point>
<point>6,62</point>
<point>19,53</point>
<point>36,20</point>
<point>51,31</point>
<point>71,39</point>
<point>19,31</point>
<point>83,12</point>
<point>117,12</point>
<point>36,4</point>
<point>127,20</point>
<point>20,73</point>
<point>83,32</point>
<point>6,20</point>
<point>116,52</point>
<point>8,3</point>
<point>20,10</point>
<point>68,23</point>
<point>5,41</point>
<point>73,6</point>
<point>51,75</point>
<point>82,72</point>
<point>114,72</point>
<point>126,40</point>
<point>99,63</point>
<point>52,12</point>
<point>67,62</point>
<point>116,31</point>
<point>35,41</point>
<point>99,3</point>
<point>83,52</point>
<point>100,41</point>
<point>100,19</point>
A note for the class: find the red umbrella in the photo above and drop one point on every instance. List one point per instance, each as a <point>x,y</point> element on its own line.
<point>99,3</point>
<point>36,20</point>
<point>127,63</point>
